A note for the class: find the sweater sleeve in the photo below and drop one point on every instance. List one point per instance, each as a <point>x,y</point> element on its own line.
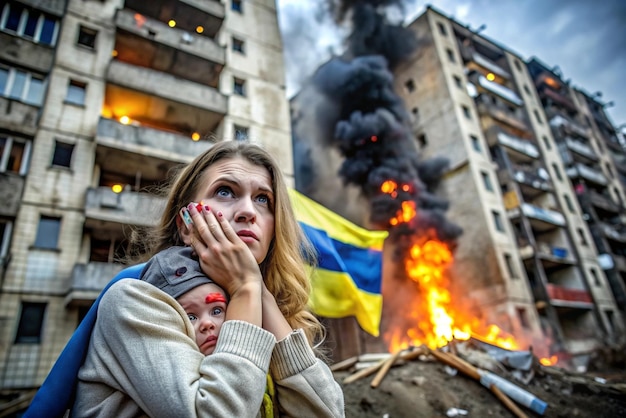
<point>144,349</point>
<point>305,386</point>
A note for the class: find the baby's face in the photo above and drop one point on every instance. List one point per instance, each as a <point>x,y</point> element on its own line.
<point>206,308</point>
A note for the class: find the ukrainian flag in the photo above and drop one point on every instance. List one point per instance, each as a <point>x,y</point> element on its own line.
<point>348,277</point>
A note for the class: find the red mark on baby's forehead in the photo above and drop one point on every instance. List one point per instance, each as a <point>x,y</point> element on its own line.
<point>215,297</point>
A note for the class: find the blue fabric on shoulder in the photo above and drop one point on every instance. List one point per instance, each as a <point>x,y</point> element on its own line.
<point>56,394</point>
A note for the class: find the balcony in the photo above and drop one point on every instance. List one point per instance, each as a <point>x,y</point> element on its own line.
<point>568,297</point>
<point>19,117</point>
<point>103,206</point>
<point>519,145</point>
<point>534,179</point>
<point>581,148</point>
<point>11,189</point>
<point>88,280</point>
<point>603,202</point>
<point>495,88</point>
<point>614,232</point>
<point>31,55</point>
<point>553,256</point>
<point>471,55</point>
<point>558,98</point>
<point>587,173</point>
<point>499,113</point>
<point>168,87</point>
<point>153,44</point>
<point>620,262</point>
<point>568,126</point>
<point>540,219</point>
<point>149,142</point>
<point>188,14</point>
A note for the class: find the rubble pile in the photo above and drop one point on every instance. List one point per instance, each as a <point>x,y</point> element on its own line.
<point>469,378</point>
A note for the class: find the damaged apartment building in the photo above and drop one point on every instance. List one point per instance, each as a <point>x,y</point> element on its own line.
<point>99,100</point>
<point>536,181</point>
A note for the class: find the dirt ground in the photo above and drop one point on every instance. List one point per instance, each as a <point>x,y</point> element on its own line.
<point>426,388</point>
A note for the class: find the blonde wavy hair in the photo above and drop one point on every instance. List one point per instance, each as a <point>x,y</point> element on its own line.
<point>283,269</point>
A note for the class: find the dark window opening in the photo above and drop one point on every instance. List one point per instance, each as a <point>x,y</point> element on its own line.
<point>239,87</point>
<point>87,37</point>
<point>62,154</point>
<point>238,45</point>
<point>31,323</point>
<point>241,133</point>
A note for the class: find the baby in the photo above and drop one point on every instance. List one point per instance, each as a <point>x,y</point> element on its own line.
<point>175,272</point>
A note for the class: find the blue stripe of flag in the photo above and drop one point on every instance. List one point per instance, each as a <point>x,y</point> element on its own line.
<point>362,264</point>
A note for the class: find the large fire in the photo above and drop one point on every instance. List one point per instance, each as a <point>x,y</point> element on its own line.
<point>436,321</point>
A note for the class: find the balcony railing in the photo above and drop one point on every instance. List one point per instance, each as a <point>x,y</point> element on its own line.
<point>569,126</point>
<point>617,233</point>
<point>500,90</point>
<point>152,142</point>
<point>500,114</point>
<point>588,173</point>
<point>17,116</point>
<point>156,83</point>
<point>11,189</point>
<point>536,178</point>
<point>88,280</point>
<point>581,148</point>
<point>470,54</point>
<point>518,144</point>
<point>131,208</point>
<point>579,297</point>
<point>601,201</point>
<point>558,98</point>
<point>546,215</point>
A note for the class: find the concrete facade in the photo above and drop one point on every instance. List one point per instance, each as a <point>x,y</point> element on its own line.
<point>527,254</point>
<point>105,94</point>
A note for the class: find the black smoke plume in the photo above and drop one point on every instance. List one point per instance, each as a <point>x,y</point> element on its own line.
<point>367,122</point>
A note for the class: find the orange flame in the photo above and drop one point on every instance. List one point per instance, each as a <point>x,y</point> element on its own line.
<point>551,361</point>
<point>436,322</point>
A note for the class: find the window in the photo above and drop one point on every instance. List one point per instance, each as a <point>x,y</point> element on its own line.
<point>609,170</point>
<point>48,232</point>
<point>581,235</point>
<point>410,85</point>
<point>497,221</point>
<point>239,86</point>
<point>76,93</point>
<point>421,140</point>
<point>557,173</point>
<point>238,45</point>
<point>546,142</point>
<point>87,37</point>
<point>475,143</point>
<point>527,90</point>
<point>14,154</point>
<point>6,227</point>
<point>568,203</point>
<point>442,29</point>
<point>596,279</point>
<point>236,6</point>
<point>21,85</point>
<point>31,323</point>
<point>458,81</point>
<point>466,112</point>
<point>486,181</point>
<point>523,320</point>
<point>538,117</point>
<point>518,65</point>
<point>62,154</point>
<point>241,133</point>
<point>509,266</point>
<point>450,55</point>
<point>29,24</point>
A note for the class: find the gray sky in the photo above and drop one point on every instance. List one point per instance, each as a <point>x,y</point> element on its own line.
<point>585,38</point>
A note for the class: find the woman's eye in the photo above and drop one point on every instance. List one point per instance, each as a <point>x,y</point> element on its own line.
<point>264,199</point>
<point>192,317</point>
<point>224,192</point>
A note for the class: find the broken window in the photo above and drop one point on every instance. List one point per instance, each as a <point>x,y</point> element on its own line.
<point>31,323</point>
<point>62,154</point>
<point>87,37</point>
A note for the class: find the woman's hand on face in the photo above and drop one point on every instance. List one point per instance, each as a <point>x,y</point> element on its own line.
<point>224,257</point>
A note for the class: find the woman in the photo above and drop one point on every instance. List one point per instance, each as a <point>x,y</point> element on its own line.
<point>142,357</point>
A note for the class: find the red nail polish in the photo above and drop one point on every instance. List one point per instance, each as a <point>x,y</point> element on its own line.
<point>207,208</point>
<point>219,214</point>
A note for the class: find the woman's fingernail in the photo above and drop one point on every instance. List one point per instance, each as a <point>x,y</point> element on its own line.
<point>191,206</point>
<point>207,208</point>
<point>219,214</point>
